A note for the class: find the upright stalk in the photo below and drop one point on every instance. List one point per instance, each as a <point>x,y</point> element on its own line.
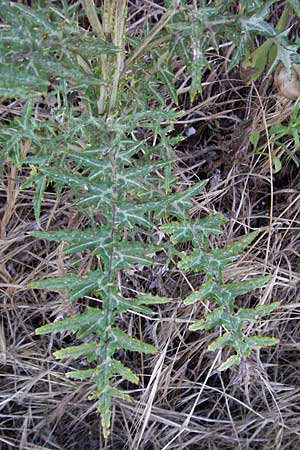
<point>119,41</point>
<point>91,12</point>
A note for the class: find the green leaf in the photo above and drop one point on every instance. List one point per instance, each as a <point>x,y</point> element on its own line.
<point>129,214</point>
<point>234,360</point>
<point>92,316</point>
<point>254,139</point>
<point>79,240</point>
<point>221,342</point>
<point>295,4</point>
<point>104,403</point>
<point>259,59</point>
<point>40,186</point>
<point>88,350</point>
<point>277,163</point>
<point>149,299</point>
<point>33,16</point>
<point>123,371</point>
<point>167,77</point>
<point>214,318</point>
<point>197,230</point>
<point>129,253</point>
<point>122,340</point>
<point>214,262</point>
<point>285,52</point>
<point>122,304</point>
<point>82,374</point>
<point>240,51</point>
<point>252,314</point>
<point>206,291</point>
<point>78,287</point>
<point>256,342</point>
<point>291,155</point>
<point>89,47</point>
<point>93,193</point>
<point>257,24</point>
<point>243,287</point>
<point>179,204</point>
<point>295,134</point>
<point>22,85</point>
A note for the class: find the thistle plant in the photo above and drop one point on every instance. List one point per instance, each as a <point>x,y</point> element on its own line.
<point>213,262</point>
<point>97,136</point>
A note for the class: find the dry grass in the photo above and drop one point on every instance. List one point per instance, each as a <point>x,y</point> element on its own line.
<point>182,402</point>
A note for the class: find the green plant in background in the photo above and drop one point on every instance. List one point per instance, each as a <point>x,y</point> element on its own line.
<point>284,140</point>
<point>96,134</point>
<point>213,262</point>
<point>275,49</point>
<point>285,136</point>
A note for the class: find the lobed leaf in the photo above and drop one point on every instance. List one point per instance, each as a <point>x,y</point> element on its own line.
<point>78,240</point>
<point>122,340</point>
<point>87,350</point>
<point>207,290</point>
<point>92,316</point>
<point>243,287</point>
<point>221,342</point>
<point>197,230</point>
<point>215,318</point>
<point>256,342</point>
<point>252,314</point>
<point>78,287</point>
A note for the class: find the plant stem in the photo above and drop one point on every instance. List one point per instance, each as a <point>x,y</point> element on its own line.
<point>92,15</point>
<point>119,41</point>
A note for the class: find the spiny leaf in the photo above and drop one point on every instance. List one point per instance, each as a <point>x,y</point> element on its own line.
<point>79,240</point>
<point>34,16</point>
<point>251,314</point>
<point>149,299</point>
<point>87,349</point>
<point>234,360</point>
<point>214,318</point>
<point>82,374</point>
<point>15,84</point>
<point>123,371</point>
<point>167,77</point>
<point>240,51</point>
<point>122,304</point>
<point>78,287</point>
<point>122,340</point>
<point>91,317</point>
<point>257,24</point>
<point>285,52</point>
<point>40,186</point>
<point>129,253</point>
<point>89,47</point>
<point>256,342</point>
<point>243,287</point>
<point>236,247</point>
<point>92,192</point>
<point>104,403</point>
<point>206,291</point>
<point>179,204</point>
<point>194,230</point>
<point>215,261</point>
<point>220,342</point>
